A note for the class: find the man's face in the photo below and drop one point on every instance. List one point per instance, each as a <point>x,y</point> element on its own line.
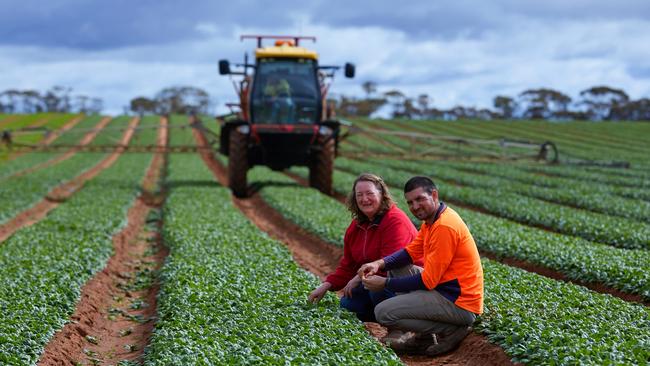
<point>422,204</point>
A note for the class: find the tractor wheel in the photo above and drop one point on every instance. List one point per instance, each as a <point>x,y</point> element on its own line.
<point>237,163</point>
<point>322,166</point>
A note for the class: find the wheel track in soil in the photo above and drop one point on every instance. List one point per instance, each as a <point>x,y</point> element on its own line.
<point>85,140</point>
<point>321,258</point>
<point>104,310</point>
<point>63,191</point>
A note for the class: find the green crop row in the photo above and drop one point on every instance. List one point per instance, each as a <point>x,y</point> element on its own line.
<point>43,267</point>
<point>231,295</point>
<point>588,225</point>
<point>591,176</point>
<point>538,320</point>
<point>31,159</point>
<point>627,270</point>
<point>578,196</point>
<point>19,193</point>
<point>519,173</point>
<point>294,202</point>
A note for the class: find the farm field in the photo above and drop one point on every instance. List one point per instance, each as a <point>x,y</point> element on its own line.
<point>125,258</point>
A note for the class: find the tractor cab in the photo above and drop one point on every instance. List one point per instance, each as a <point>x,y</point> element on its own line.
<point>283,118</point>
<point>285,91</point>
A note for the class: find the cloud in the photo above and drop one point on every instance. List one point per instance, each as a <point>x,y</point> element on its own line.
<point>464,52</point>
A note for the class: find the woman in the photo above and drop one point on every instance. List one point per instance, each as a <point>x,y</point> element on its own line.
<point>378,228</point>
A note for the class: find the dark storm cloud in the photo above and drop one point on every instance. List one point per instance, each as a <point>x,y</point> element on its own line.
<point>97,25</point>
<point>451,19</point>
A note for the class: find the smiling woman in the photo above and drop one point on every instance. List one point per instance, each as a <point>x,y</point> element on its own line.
<point>378,228</point>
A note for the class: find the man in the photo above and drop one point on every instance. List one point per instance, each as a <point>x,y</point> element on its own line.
<point>278,92</point>
<point>438,305</point>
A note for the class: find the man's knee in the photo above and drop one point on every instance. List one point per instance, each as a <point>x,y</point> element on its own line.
<point>383,312</point>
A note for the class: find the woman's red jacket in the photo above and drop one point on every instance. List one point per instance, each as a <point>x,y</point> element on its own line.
<point>369,241</point>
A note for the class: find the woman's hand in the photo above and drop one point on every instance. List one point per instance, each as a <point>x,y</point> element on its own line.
<point>320,291</point>
<point>354,282</point>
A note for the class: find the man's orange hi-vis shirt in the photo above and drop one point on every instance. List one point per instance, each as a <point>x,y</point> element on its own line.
<point>452,265</point>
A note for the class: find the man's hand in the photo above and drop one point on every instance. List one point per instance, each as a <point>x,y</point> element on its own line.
<point>354,282</point>
<point>316,295</point>
<point>371,268</point>
<point>374,283</point>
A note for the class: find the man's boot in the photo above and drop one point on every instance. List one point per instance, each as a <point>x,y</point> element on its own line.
<point>398,339</point>
<point>448,342</point>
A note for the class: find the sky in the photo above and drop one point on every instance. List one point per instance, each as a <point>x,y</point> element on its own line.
<point>459,52</point>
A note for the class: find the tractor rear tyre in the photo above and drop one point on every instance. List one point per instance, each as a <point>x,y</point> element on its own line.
<point>322,166</point>
<point>238,163</point>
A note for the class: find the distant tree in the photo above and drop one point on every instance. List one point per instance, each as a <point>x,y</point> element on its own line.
<point>81,102</point>
<point>143,105</point>
<point>182,100</point>
<point>370,87</point>
<point>637,110</point>
<point>423,102</point>
<point>96,106</point>
<point>10,98</point>
<point>600,100</point>
<point>397,99</point>
<point>31,101</point>
<point>544,103</point>
<point>505,106</point>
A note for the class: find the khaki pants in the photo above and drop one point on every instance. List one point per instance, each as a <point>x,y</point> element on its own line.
<point>422,311</point>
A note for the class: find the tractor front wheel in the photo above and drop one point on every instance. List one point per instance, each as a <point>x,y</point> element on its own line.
<point>238,163</point>
<point>322,166</point>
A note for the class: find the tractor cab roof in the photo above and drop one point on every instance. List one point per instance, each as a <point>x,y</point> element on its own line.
<point>286,49</point>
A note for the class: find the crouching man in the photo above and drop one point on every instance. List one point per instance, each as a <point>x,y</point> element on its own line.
<point>436,307</point>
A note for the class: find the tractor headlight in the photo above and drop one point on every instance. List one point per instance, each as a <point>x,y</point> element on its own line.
<point>325,131</point>
<point>244,129</point>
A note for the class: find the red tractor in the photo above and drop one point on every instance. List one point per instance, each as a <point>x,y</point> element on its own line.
<point>283,118</point>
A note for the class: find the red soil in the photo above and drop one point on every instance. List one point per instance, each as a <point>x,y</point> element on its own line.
<point>105,327</point>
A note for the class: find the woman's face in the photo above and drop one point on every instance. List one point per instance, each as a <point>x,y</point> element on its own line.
<point>368,198</point>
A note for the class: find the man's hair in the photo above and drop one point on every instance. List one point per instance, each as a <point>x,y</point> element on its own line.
<point>420,182</point>
<point>386,198</point>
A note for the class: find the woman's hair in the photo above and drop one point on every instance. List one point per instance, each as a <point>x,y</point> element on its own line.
<point>386,199</point>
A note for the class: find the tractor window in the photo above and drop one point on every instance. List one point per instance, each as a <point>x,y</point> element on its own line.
<point>285,91</point>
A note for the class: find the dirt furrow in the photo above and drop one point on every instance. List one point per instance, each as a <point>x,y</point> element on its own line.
<point>321,258</point>
<point>115,316</point>
<point>62,192</point>
<point>85,140</point>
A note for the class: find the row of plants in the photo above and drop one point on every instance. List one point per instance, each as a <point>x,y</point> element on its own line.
<point>578,196</point>
<point>570,147</point>
<point>590,176</point>
<point>627,270</point>
<point>28,160</point>
<point>231,295</point>
<point>43,267</point>
<point>590,148</point>
<point>536,319</point>
<point>20,192</point>
<point>519,173</point>
<point>588,225</point>
<point>326,224</point>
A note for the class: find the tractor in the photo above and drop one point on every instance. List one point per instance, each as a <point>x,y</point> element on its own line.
<point>282,118</point>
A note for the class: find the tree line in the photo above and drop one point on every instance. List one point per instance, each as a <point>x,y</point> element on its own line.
<point>598,103</point>
<point>173,100</point>
<point>56,99</point>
